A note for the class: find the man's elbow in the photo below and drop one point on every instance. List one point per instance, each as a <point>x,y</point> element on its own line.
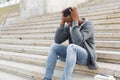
<point>57,41</point>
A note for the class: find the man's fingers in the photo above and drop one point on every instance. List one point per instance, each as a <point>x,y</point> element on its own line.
<point>74,8</point>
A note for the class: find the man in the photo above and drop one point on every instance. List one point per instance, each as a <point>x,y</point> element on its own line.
<point>81,49</point>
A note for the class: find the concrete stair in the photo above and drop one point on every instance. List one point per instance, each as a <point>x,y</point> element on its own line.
<point>35,72</point>
<point>52,29</point>
<point>7,76</point>
<point>38,60</point>
<point>95,2</point>
<point>110,45</point>
<point>50,36</point>
<point>39,50</point>
<point>24,46</point>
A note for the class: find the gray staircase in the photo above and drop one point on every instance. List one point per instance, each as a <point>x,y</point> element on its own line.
<point>24,46</point>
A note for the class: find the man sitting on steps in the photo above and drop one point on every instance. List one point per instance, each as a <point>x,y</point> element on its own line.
<point>81,50</point>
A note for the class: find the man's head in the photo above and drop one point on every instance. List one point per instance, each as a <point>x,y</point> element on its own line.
<point>67,16</point>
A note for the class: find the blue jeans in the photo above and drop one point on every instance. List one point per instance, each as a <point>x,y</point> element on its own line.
<point>71,54</point>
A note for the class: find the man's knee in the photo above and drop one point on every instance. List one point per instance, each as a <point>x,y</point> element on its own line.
<point>54,46</point>
<point>71,49</point>
<point>74,47</point>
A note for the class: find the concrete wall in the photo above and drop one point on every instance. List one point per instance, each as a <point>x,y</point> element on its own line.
<point>58,5</point>
<point>39,7</point>
<point>12,18</point>
<point>30,8</point>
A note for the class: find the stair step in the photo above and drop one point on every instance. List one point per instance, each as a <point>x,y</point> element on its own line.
<point>29,31</point>
<point>95,13</point>
<point>22,26</point>
<point>23,57</point>
<point>28,37</point>
<point>50,36</point>
<point>18,68</point>
<point>99,44</point>
<point>96,22</point>
<point>106,56</point>
<point>91,17</point>
<point>27,42</point>
<point>103,16</point>
<point>31,27</point>
<point>44,33</point>
<point>36,72</point>
<point>103,4</point>
<point>108,44</point>
<point>53,29</point>
<point>104,68</point>
<point>25,49</point>
<point>30,71</point>
<point>101,8</point>
<point>38,22</point>
<point>107,36</point>
<point>9,76</point>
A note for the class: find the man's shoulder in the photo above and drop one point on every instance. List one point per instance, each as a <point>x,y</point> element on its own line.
<point>87,21</point>
<point>88,24</point>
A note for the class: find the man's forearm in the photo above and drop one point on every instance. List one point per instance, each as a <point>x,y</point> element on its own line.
<point>61,34</point>
<point>62,22</point>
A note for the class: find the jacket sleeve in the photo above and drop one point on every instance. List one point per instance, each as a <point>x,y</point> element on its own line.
<point>79,36</point>
<point>61,34</point>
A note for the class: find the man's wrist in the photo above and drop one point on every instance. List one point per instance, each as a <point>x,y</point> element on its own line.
<point>75,18</point>
<point>62,22</point>
<point>74,23</point>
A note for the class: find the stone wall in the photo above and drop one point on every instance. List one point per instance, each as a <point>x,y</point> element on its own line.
<point>30,8</point>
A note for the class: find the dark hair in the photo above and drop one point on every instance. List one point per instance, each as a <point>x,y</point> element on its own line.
<point>67,12</point>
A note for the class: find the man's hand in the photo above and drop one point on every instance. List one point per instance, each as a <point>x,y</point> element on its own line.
<point>74,14</point>
<point>62,20</point>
